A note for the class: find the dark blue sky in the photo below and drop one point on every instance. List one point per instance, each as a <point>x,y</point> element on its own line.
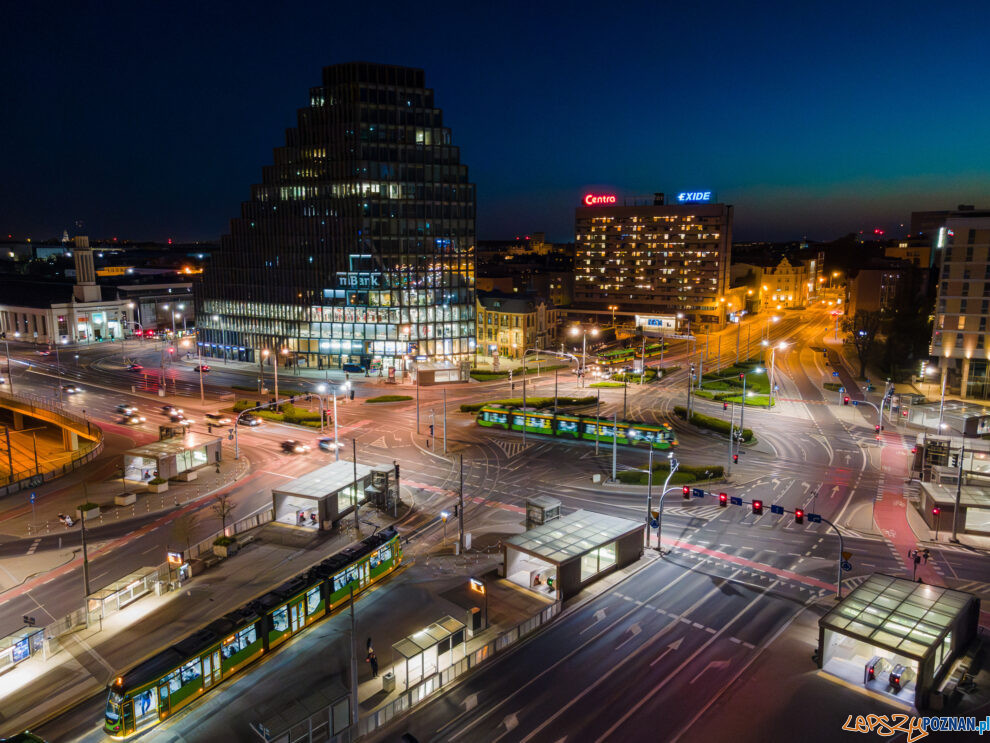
<point>151,120</point>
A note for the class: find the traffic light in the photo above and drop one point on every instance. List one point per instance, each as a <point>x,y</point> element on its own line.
<point>735,459</point>
<point>845,400</point>
<point>686,491</point>
<point>798,516</point>
<point>397,472</point>
<point>725,405</point>
<point>171,350</point>
<point>510,375</point>
<point>758,507</point>
<point>723,499</point>
<point>455,509</point>
<point>292,399</point>
<point>936,511</point>
<point>742,376</point>
<point>352,394</point>
<point>914,449</point>
<point>431,429</point>
<point>877,428</point>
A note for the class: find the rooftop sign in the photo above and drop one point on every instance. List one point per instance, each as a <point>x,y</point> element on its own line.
<point>685,197</point>
<point>593,199</point>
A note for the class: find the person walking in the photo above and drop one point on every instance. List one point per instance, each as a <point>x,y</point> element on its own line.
<point>373,660</point>
<point>926,554</point>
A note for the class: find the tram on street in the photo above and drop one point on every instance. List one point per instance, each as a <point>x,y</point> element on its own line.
<point>165,683</point>
<point>586,427</point>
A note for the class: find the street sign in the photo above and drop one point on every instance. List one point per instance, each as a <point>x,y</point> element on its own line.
<point>698,492</point>
<point>846,555</point>
<point>842,389</point>
<point>835,374</point>
<point>846,565</point>
<point>777,509</point>
<point>735,500</point>
<point>654,523</point>
<point>815,518</point>
<point>32,497</point>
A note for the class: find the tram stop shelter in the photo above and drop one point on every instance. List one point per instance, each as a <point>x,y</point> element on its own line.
<point>898,638</point>
<point>20,645</point>
<point>120,593</point>
<point>562,556</point>
<point>429,651</point>
<point>321,498</point>
<point>171,457</point>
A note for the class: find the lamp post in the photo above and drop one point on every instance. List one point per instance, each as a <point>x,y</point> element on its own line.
<point>613,307</point>
<point>773,353</point>
<point>673,469</point>
<point>941,403</point>
<point>10,370</point>
<point>58,372</point>
<point>584,346</point>
<point>182,315</point>
<point>223,336</point>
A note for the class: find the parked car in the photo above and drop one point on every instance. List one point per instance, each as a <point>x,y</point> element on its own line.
<point>294,447</point>
<point>201,367</point>
<point>217,419</point>
<point>126,408</point>
<point>134,367</point>
<point>353,368</point>
<point>249,420</point>
<point>71,389</point>
<point>132,419</point>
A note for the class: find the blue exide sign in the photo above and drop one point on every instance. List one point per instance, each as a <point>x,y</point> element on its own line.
<point>686,196</point>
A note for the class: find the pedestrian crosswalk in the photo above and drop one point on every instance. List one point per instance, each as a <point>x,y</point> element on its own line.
<point>980,588</point>
<point>854,582</point>
<point>512,448</point>
<point>706,513</point>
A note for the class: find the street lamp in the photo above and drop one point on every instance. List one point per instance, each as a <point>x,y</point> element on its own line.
<point>584,345</point>
<point>613,307</point>
<point>673,469</point>
<point>773,352</point>
<point>321,389</point>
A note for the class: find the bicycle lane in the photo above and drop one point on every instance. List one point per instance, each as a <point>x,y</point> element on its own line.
<point>890,511</point>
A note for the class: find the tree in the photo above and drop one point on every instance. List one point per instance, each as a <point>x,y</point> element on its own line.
<point>862,329</point>
<point>222,508</point>
<point>183,529</point>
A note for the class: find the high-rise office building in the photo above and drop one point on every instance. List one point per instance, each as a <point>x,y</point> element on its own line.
<point>654,258</point>
<point>960,337</point>
<point>358,244</point>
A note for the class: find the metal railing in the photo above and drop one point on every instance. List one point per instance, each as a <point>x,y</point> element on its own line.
<point>252,521</point>
<point>33,477</point>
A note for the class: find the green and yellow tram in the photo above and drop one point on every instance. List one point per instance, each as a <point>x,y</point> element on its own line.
<point>572,426</point>
<point>165,683</point>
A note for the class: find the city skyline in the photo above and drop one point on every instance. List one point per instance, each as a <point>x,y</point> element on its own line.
<point>834,136</point>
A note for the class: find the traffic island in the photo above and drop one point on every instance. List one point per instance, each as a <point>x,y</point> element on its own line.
<point>712,424</point>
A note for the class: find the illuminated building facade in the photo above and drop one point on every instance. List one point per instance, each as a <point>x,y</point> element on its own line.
<point>358,244</point>
<point>653,258</point>
<point>960,337</point>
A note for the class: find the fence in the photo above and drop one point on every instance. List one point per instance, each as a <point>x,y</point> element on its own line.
<point>320,726</point>
<point>252,521</point>
<point>34,477</point>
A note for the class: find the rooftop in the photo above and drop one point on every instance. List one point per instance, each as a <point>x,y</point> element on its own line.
<point>573,535</point>
<point>324,481</point>
<point>897,614</point>
<point>174,445</point>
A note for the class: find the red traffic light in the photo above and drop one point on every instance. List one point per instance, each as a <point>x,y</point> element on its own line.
<point>171,350</point>
<point>798,516</point>
<point>845,400</point>
<point>757,506</point>
<point>742,376</point>
<point>735,459</point>
<point>914,449</point>
<point>936,511</point>
<point>723,499</point>
<point>877,428</point>
<point>686,491</point>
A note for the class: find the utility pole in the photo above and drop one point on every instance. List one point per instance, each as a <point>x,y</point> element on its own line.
<point>742,408</point>
<point>555,392</point>
<point>732,423</point>
<point>524,406</point>
<point>354,664</point>
<point>417,399</point>
<point>660,368</point>
<point>460,509</point>
<point>738,333</point>
<point>598,422</point>
<point>959,479</point>
<point>357,523</point>
<point>82,528</point>
<point>642,367</point>
<point>444,420</point>
<point>10,457</point>
<point>649,496</point>
<point>615,442</point>
<point>625,389</point>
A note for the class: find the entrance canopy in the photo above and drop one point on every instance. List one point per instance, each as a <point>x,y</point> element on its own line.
<point>572,536</point>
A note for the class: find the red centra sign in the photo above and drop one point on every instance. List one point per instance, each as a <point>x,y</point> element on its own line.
<point>592,199</point>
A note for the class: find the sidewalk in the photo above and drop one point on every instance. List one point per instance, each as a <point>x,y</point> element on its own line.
<point>38,690</point>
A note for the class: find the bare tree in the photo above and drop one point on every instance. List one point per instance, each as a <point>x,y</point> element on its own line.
<point>183,529</point>
<point>862,329</point>
<point>222,508</point>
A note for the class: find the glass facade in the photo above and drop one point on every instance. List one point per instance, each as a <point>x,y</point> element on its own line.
<point>358,245</point>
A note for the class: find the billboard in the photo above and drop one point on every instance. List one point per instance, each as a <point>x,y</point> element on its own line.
<point>656,322</point>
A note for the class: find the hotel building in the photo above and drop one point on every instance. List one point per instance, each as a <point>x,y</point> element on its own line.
<point>653,258</point>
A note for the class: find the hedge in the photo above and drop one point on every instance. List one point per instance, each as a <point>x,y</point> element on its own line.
<point>685,473</point>
<point>389,398</point>
<point>289,414</point>
<point>713,424</point>
<point>833,386</point>
<point>487,375</point>
<point>531,402</point>
<point>254,389</point>
<point>759,401</point>
<point>604,385</point>
<point>633,378</point>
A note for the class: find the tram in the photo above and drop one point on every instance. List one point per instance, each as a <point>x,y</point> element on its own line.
<point>570,426</point>
<point>165,683</point>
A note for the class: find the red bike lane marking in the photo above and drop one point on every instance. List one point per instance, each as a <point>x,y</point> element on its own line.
<point>121,541</point>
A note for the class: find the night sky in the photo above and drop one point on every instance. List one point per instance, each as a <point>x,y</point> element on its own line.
<point>150,120</point>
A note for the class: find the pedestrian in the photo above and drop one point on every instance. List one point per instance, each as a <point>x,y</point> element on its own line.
<point>373,660</point>
<point>926,554</point>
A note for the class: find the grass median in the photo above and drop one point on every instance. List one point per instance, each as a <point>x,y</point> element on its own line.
<point>685,473</point>
<point>712,424</point>
<point>287,413</point>
<point>531,402</point>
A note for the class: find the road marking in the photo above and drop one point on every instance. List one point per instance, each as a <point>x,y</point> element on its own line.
<point>670,648</point>
<point>599,616</point>
<point>34,546</point>
<point>676,673</point>
<point>634,630</point>
<point>716,664</point>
